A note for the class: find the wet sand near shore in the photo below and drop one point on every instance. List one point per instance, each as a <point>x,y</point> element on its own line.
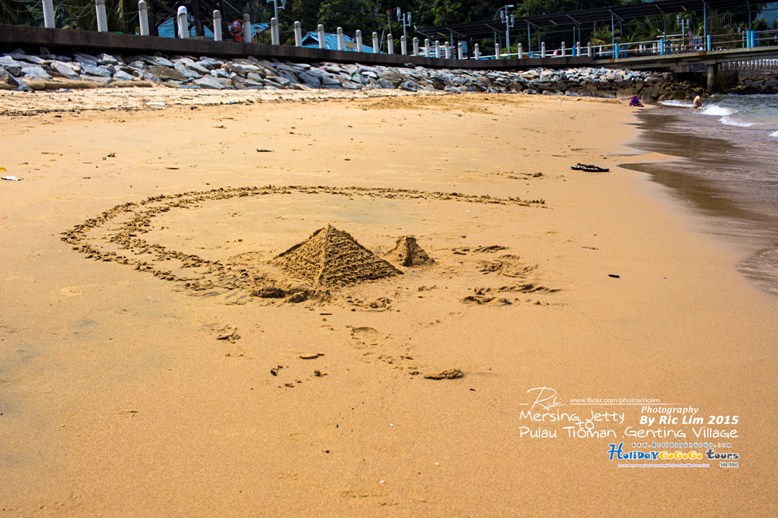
<point>726,186</point>
<point>157,356</point>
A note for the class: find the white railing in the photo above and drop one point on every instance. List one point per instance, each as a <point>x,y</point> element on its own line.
<point>663,45</point>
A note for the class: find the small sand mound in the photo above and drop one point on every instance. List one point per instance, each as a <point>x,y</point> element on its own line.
<point>332,258</point>
<point>407,252</point>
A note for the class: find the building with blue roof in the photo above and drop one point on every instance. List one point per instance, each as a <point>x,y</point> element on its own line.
<point>311,41</point>
<point>167,29</point>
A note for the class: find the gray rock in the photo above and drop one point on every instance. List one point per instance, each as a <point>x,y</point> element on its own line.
<point>186,71</point>
<point>27,58</point>
<point>220,73</point>
<point>409,86</point>
<point>121,75</point>
<point>242,69</point>
<point>209,82</point>
<point>107,59</point>
<point>329,82</point>
<point>309,80</point>
<point>35,72</point>
<point>64,69</point>
<point>210,63</point>
<point>160,61</point>
<point>93,70</point>
<point>166,73</point>
<point>7,81</point>
<point>87,59</point>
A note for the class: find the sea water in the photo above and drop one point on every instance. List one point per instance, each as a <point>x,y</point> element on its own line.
<point>726,169</point>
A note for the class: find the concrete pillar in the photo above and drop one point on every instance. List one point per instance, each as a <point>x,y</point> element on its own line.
<point>543,49</point>
<point>589,49</point>
<point>275,37</point>
<point>358,37</point>
<point>415,46</point>
<point>521,51</point>
<point>102,18</point>
<point>477,51</point>
<point>48,14</point>
<point>389,44</point>
<point>143,18</point>
<point>403,45</point>
<point>460,50</point>
<point>446,52</point>
<point>426,47</point>
<point>577,48</point>
<point>298,34</point>
<point>496,50</point>
<point>376,46</point>
<point>436,48</point>
<point>217,25</point>
<point>247,36</point>
<point>713,72</point>
<point>341,46</point>
<point>182,19</point>
<point>564,49</point>
<point>320,30</point>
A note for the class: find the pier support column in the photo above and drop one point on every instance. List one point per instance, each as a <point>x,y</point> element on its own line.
<point>247,36</point>
<point>415,46</point>
<point>48,14</point>
<point>143,18</point>
<point>358,37</point>
<point>183,22</point>
<point>275,36</point>
<point>320,31</point>
<point>389,44</point>
<point>217,25</point>
<point>376,47</point>
<point>298,34</point>
<point>102,18</point>
<point>713,76</point>
<point>339,32</point>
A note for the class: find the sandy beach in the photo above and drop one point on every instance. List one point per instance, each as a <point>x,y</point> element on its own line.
<point>147,367</point>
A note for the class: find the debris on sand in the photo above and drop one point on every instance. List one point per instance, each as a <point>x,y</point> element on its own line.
<point>333,258</point>
<point>407,252</point>
<point>449,374</point>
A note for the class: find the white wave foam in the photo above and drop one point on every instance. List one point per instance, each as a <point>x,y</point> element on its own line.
<point>717,111</point>
<point>729,121</point>
<point>682,104</point>
<point>774,134</point>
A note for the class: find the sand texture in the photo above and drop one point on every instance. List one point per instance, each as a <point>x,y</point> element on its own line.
<point>178,338</point>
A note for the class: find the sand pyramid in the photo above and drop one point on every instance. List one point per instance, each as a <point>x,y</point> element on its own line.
<point>407,252</point>
<point>331,258</point>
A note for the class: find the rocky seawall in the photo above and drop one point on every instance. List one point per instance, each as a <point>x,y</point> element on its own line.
<point>45,71</point>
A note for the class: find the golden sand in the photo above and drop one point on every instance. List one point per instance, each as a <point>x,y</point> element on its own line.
<point>154,360</point>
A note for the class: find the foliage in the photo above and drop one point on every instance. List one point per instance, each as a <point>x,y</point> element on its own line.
<point>367,15</point>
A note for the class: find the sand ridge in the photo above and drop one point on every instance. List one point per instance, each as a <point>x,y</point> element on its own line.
<point>329,259</point>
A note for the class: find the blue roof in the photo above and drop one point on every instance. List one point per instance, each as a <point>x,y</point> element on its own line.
<point>167,29</point>
<point>311,41</point>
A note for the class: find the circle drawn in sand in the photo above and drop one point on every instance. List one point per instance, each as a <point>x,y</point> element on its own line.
<point>117,235</point>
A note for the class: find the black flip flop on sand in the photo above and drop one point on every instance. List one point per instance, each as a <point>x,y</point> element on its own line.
<point>589,168</point>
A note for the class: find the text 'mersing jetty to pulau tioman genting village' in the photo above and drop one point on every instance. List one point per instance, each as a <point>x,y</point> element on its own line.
<point>546,415</point>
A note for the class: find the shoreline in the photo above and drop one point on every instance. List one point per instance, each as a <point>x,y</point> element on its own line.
<point>121,397</point>
<point>718,209</point>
